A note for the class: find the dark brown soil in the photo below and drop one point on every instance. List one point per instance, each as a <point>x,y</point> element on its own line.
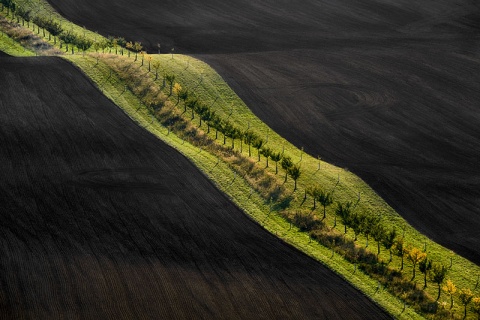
<point>101,220</point>
<point>388,89</point>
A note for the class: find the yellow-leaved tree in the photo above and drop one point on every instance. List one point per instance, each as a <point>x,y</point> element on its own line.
<point>415,255</point>
<point>450,288</point>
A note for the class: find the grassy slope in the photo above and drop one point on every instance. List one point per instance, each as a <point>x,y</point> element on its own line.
<point>11,47</point>
<point>192,73</point>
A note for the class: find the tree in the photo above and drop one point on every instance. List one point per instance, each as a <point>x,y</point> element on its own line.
<point>378,234</point>
<point>110,40</point>
<point>170,78</point>
<point>122,43</point>
<point>425,266</point>
<point>129,46</point>
<point>344,211</point>
<point>68,38</point>
<point>326,199</point>
<point>149,59</point>
<point>115,45</point>
<point>257,144</point>
<point>39,21</point>
<point>192,104</point>
<point>228,132</point>
<point>240,136</point>
<point>450,288</point>
<point>313,192</point>
<point>400,250</point>
<point>438,274</point>
<point>208,116</point>
<point>476,306</point>
<point>415,255</point>
<point>248,138</point>
<point>201,110</point>
<point>25,15</point>
<point>357,225</point>
<point>54,28</point>
<point>466,297</point>
<point>103,45</point>
<point>389,241</point>
<point>83,44</point>
<point>156,66</point>
<point>137,47</point>
<point>295,172</point>
<point>369,224</point>
<point>177,89</point>
<point>216,123</point>
<point>234,133</point>
<point>266,152</point>
<point>183,95</point>
<point>276,156</point>
<point>286,164</point>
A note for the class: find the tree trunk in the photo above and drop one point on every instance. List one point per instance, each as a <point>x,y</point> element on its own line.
<point>439,292</point>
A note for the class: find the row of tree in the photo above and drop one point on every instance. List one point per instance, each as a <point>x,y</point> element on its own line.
<point>465,296</point>
<point>68,37</point>
<point>230,131</point>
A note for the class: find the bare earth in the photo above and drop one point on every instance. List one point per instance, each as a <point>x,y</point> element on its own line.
<point>388,89</point>
<point>101,220</point>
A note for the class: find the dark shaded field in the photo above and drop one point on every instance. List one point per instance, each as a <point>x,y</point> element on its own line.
<point>388,89</point>
<point>100,220</point>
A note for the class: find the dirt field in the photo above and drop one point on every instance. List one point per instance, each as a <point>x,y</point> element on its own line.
<point>388,89</point>
<point>100,220</point>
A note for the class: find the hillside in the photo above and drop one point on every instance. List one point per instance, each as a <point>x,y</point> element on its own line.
<point>387,89</point>
<point>100,219</point>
